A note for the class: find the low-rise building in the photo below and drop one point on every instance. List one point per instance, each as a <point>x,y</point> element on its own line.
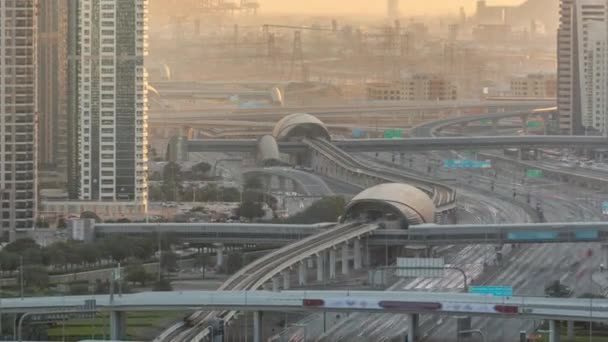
<point>534,85</point>
<point>416,88</point>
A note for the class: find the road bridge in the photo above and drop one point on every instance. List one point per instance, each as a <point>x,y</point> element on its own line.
<point>398,302</point>
<point>406,144</point>
<point>429,129</point>
<point>350,110</point>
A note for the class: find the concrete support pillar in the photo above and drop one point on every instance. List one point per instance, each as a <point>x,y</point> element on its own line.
<point>302,273</point>
<point>276,284</point>
<point>257,326</point>
<point>524,123</point>
<point>332,263</point>
<point>495,124</point>
<point>367,259</point>
<point>286,280</point>
<point>282,183</point>
<point>605,254</point>
<point>546,118</point>
<point>345,259</point>
<point>219,249</point>
<point>412,327</point>
<point>553,331</point>
<point>118,325</point>
<point>570,333</point>
<point>320,268</point>
<point>357,253</point>
<point>310,263</point>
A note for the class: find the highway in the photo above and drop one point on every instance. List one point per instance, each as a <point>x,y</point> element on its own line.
<point>364,108</point>
<point>407,144</point>
<point>529,268</point>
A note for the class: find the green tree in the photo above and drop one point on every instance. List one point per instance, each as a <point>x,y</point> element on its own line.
<point>42,223</point>
<point>9,261</point>
<point>79,289</point>
<point>557,289</point>
<point>21,245</point>
<point>324,210</point>
<point>172,173</point>
<point>118,248</point>
<point>156,193</point>
<point>88,252</point>
<point>200,171</point>
<point>250,210</point>
<point>234,262</point>
<point>56,255</point>
<point>90,215</point>
<point>172,181</point>
<point>61,224</point>
<point>253,183</point>
<point>35,276</point>
<point>592,296</point>
<point>231,195</point>
<point>136,273</point>
<point>163,285</point>
<point>168,262</point>
<point>155,176</point>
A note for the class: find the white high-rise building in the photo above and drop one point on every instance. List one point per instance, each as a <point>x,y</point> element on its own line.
<point>582,88</point>
<point>112,101</point>
<point>592,27</point>
<point>18,110</point>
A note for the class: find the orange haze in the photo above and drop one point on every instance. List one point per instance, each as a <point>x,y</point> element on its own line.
<point>373,7</point>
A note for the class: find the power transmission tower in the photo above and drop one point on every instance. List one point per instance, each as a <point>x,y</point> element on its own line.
<point>297,56</point>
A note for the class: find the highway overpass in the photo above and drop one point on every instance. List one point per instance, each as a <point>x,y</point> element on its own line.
<point>411,303</point>
<point>407,144</point>
<point>348,110</point>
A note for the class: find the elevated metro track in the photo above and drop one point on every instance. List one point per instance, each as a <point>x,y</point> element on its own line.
<point>257,273</point>
<point>432,235</point>
<point>442,195</point>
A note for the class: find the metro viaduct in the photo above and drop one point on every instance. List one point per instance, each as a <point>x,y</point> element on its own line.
<point>411,303</point>
<point>425,234</point>
<point>404,145</point>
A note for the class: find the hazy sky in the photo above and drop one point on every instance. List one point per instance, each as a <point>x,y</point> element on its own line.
<point>372,6</point>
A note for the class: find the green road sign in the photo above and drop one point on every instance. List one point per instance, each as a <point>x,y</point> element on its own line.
<point>534,173</point>
<point>485,121</point>
<point>533,124</point>
<point>392,133</point>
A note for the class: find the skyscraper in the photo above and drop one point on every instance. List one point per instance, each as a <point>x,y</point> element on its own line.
<point>52,87</point>
<point>392,9</point>
<point>583,67</point>
<point>112,100</point>
<point>18,108</point>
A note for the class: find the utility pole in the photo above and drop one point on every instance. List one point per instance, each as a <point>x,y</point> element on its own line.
<point>297,55</point>
<point>21,276</point>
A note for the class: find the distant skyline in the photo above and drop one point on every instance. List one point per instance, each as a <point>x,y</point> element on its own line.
<point>373,7</point>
